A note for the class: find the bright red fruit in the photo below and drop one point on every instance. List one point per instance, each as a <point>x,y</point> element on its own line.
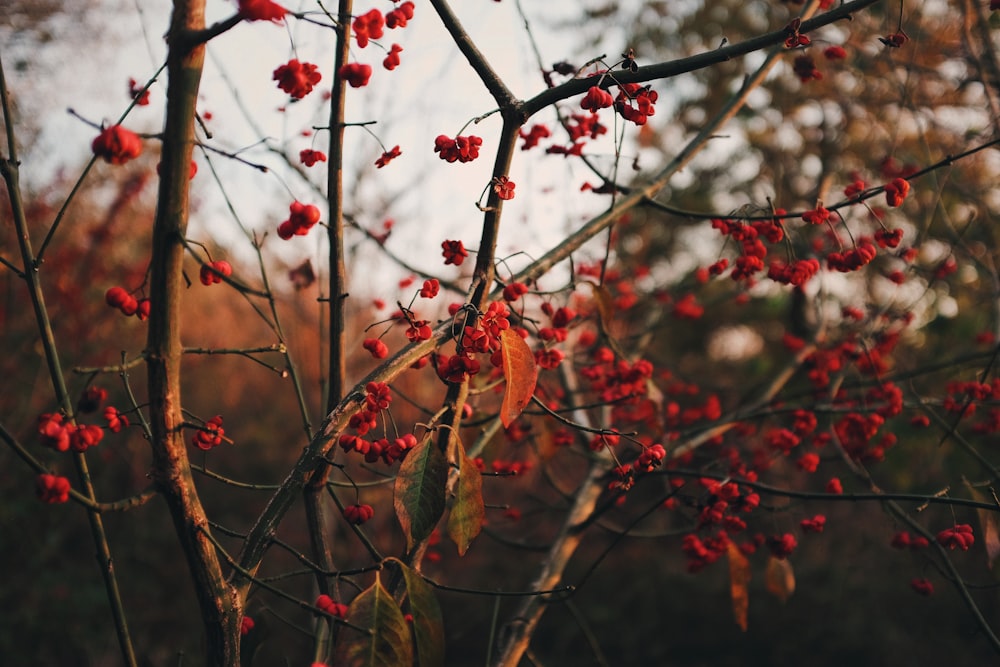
<point>262,10</point>
<point>297,78</point>
<point>504,187</point>
<point>137,93</point>
<point>896,191</point>
<point>358,514</point>
<point>459,149</point>
<point>430,289</point>
<point>596,98</point>
<point>392,61</point>
<point>377,348</point>
<point>388,157</point>
<point>302,218</point>
<point>368,26</point>
<point>356,74</point>
<point>116,145</point>
<point>52,488</point>
<point>53,431</point>
<point>327,604</point>
<point>454,252</point>
<point>210,435</point>
<point>116,420</point>
<point>213,272</point>
<point>309,157</point>
<point>959,536</point>
<point>400,16</point>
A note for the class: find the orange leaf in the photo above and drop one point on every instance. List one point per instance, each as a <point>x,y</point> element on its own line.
<point>545,441</point>
<point>779,578</point>
<point>739,580</point>
<point>521,373</point>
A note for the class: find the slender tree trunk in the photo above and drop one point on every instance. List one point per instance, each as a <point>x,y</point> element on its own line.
<point>220,608</point>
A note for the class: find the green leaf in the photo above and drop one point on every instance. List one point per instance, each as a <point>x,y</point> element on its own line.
<point>428,624</point>
<point>467,513</point>
<point>521,373</point>
<point>419,493</point>
<point>390,643</point>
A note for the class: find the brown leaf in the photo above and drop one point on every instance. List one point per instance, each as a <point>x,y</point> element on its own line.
<point>545,441</point>
<point>739,580</point>
<point>991,529</point>
<point>604,302</point>
<point>779,578</point>
<point>521,373</point>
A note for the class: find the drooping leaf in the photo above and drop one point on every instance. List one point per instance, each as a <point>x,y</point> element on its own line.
<point>779,578</point>
<point>990,523</point>
<point>604,302</point>
<point>739,580</point>
<point>390,643</point>
<point>545,440</point>
<point>428,624</point>
<point>467,513</point>
<point>419,493</point>
<point>521,373</point>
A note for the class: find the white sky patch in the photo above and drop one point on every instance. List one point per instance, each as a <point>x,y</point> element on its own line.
<point>734,343</point>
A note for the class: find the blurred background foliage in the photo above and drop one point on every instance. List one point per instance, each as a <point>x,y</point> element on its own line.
<point>875,114</point>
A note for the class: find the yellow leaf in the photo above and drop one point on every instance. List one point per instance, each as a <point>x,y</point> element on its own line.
<point>521,373</point>
<point>739,580</point>
<point>779,578</point>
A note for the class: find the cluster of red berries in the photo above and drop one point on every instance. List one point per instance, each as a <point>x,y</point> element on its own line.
<point>855,258</point>
<point>297,78</point>
<point>52,488</point>
<point>302,218</point>
<point>904,540</point>
<point>634,102</point>
<point>376,348</point>
<point>356,75</point>
<point>117,297</point>
<point>262,10</point>
<point>959,536</point>
<point>430,288</point>
<point>454,252</point>
<point>369,26</point>
<point>116,420</point>
<point>213,272</point>
<point>210,435</point>
<point>400,16</point>
<point>329,606</point>
<point>797,273</point>
<point>58,434</point>
<point>896,191</point>
<point>459,149</point>
<point>116,145</point>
